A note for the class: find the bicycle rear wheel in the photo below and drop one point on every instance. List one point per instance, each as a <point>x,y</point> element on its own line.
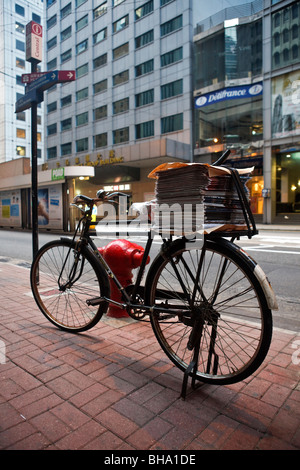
<point>228,329</point>
<point>63,279</point>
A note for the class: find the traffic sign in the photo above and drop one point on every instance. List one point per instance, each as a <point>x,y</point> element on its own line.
<point>30,77</point>
<point>51,78</point>
<point>26,100</point>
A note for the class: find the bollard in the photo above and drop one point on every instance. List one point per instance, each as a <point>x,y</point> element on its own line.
<point>122,256</point>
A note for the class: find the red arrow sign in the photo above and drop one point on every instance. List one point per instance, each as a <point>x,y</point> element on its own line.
<point>66,75</point>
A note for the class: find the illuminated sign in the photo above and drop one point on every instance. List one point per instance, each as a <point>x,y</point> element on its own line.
<point>230,93</point>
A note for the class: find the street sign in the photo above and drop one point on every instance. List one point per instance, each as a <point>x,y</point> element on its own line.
<point>30,77</point>
<point>51,78</point>
<point>34,42</point>
<point>26,100</point>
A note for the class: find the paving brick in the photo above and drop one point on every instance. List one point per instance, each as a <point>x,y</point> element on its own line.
<point>97,391</point>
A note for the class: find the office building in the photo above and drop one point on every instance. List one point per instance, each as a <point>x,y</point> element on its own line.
<point>247,95</point>
<point>15,129</point>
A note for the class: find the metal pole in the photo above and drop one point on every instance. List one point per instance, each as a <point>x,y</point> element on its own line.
<point>34,172</point>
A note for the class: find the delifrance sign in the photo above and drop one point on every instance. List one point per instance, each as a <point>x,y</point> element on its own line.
<point>230,93</point>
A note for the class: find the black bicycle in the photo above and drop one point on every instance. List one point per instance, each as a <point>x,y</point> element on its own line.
<point>209,306</point>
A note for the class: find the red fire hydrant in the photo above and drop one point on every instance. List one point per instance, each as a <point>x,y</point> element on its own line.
<point>122,256</point>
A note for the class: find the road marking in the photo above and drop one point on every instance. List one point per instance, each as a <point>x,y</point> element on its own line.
<point>271,251</point>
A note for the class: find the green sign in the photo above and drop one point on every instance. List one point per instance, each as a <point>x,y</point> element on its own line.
<point>57,174</point>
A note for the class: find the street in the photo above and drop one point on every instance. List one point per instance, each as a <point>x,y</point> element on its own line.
<point>277,252</point>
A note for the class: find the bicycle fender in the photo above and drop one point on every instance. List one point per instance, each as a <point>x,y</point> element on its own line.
<point>266,287</point>
<point>258,272</point>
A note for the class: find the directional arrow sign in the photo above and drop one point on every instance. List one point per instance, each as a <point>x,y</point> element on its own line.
<point>51,78</point>
<point>26,100</point>
<point>30,77</point>
<point>35,89</point>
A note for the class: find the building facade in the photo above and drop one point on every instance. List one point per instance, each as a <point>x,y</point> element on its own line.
<point>130,106</point>
<point>246,98</point>
<point>15,129</point>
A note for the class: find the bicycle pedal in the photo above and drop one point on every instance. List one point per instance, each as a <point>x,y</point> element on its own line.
<point>95,301</point>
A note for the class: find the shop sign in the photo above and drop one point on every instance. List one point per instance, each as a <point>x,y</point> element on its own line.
<point>57,174</point>
<point>231,93</point>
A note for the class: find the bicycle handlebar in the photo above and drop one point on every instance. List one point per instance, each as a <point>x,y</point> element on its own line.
<point>222,158</point>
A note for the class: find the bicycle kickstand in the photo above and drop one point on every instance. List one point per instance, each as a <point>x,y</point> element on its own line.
<point>191,369</point>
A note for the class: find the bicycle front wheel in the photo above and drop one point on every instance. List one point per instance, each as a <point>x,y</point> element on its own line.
<point>223,321</point>
<point>63,279</point>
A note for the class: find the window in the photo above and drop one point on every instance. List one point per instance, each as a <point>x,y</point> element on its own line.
<point>121,106</point>
<point>66,149</point>
<point>51,153</point>
<point>52,129</point>
<point>164,2</point>
<point>20,63</point>
<point>36,18</point>
<point>100,61</point>
<point>144,39</point>
<point>82,145</point>
<point>100,36</point>
<point>172,123</point>
<point>66,33</point>
<point>120,24</point>
<point>19,80</point>
<point>144,98</point>
<point>117,2</point>
<point>100,86</point>
<point>100,113</point>
<point>66,56</point>
<point>21,133</point>
<point>82,70</point>
<point>121,77</point>
<point>66,124</point>
<point>145,67</point>
<point>121,51</point>
<point>121,135</point>
<point>51,43</point>
<point>171,89</point>
<point>52,107</point>
<point>145,129</point>
<point>82,22</point>
<point>144,10</point>
<point>19,10</point>
<point>52,64</point>
<point>20,28</point>
<point>66,101</point>
<point>100,140</point>
<point>20,151</point>
<point>20,45</point>
<point>67,10</point>
<point>82,46</point>
<point>171,25</point>
<point>21,116</point>
<point>79,2</point>
<point>52,21</point>
<point>171,57</point>
<point>82,119</point>
<point>82,94</point>
<point>100,10</point>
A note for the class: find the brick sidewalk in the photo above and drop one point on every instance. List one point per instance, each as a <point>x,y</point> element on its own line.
<point>113,388</point>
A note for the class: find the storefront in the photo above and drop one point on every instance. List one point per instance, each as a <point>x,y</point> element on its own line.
<point>286,132</point>
<point>55,193</point>
<point>231,118</point>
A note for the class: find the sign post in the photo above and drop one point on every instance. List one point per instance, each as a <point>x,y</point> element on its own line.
<point>37,83</point>
<point>34,54</point>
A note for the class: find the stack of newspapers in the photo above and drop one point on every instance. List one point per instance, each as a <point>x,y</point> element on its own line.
<point>197,197</point>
